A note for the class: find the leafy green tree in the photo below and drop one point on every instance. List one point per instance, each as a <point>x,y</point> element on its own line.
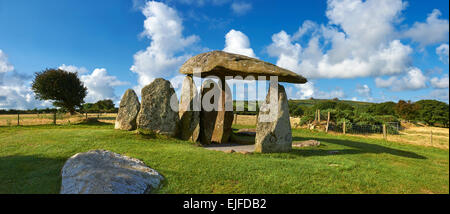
<point>433,112</point>
<point>64,88</point>
<point>299,111</point>
<point>386,108</point>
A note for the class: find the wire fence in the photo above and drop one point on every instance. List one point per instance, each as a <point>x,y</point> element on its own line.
<point>351,128</point>
<point>52,118</point>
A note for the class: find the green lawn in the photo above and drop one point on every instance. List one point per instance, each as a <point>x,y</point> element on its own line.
<point>31,159</point>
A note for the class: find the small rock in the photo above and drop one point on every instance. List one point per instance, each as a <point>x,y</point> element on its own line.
<point>306,143</point>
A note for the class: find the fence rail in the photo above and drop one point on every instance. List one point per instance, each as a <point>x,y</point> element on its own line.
<point>52,118</point>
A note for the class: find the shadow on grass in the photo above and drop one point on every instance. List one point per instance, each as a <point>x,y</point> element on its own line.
<point>360,148</point>
<point>30,174</point>
<point>92,121</point>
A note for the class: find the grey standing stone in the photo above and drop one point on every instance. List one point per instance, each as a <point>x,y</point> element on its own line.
<point>189,111</point>
<point>105,172</point>
<point>208,116</point>
<point>216,122</point>
<point>159,108</point>
<point>275,134</point>
<point>128,111</point>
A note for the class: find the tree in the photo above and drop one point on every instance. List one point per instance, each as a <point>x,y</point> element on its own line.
<point>299,111</point>
<point>386,108</point>
<point>433,112</point>
<point>62,87</point>
<point>407,110</point>
<point>99,106</point>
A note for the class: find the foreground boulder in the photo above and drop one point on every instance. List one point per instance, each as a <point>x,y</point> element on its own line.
<point>159,106</point>
<point>189,111</point>
<point>128,111</point>
<point>273,130</point>
<point>215,120</point>
<point>105,172</point>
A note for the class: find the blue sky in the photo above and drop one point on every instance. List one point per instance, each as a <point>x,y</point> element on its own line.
<point>373,50</point>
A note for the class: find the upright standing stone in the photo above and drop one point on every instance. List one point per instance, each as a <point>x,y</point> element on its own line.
<point>215,120</point>
<point>273,130</point>
<point>189,111</point>
<point>159,108</point>
<point>128,111</point>
<point>208,115</point>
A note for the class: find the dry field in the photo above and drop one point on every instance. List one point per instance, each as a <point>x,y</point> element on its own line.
<point>61,119</point>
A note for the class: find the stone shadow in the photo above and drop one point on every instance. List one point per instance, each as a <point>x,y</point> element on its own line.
<point>359,148</point>
<point>30,174</point>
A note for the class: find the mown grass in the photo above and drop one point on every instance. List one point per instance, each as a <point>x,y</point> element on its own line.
<point>31,159</point>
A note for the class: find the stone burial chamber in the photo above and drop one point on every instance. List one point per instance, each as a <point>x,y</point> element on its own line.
<point>206,116</point>
<point>273,134</point>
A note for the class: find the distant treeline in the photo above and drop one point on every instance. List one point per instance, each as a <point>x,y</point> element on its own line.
<point>102,106</point>
<point>430,112</point>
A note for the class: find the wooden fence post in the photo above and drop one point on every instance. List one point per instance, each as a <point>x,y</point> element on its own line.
<point>18,119</point>
<point>384,132</point>
<point>431,137</point>
<point>86,115</point>
<point>328,122</point>
<point>54,118</point>
<point>235,119</point>
<point>318,115</point>
<point>343,127</point>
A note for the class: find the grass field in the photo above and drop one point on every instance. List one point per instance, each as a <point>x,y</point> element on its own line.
<point>31,158</point>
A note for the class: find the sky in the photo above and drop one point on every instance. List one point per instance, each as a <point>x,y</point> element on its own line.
<point>371,50</point>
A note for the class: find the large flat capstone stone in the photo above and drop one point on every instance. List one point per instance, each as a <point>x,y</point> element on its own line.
<point>105,172</point>
<point>222,64</point>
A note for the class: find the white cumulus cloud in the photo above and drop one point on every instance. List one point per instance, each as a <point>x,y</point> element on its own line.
<point>15,90</point>
<point>433,31</point>
<point>308,90</point>
<point>357,42</point>
<point>164,56</point>
<point>238,43</point>
<point>100,85</point>
<point>413,80</point>
<point>439,82</point>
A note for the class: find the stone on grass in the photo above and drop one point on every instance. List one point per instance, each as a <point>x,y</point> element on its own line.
<point>307,143</point>
<point>273,130</point>
<point>128,111</point>
<point>105,172</point>
<point>189,111</point>
<point>159,108</point>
